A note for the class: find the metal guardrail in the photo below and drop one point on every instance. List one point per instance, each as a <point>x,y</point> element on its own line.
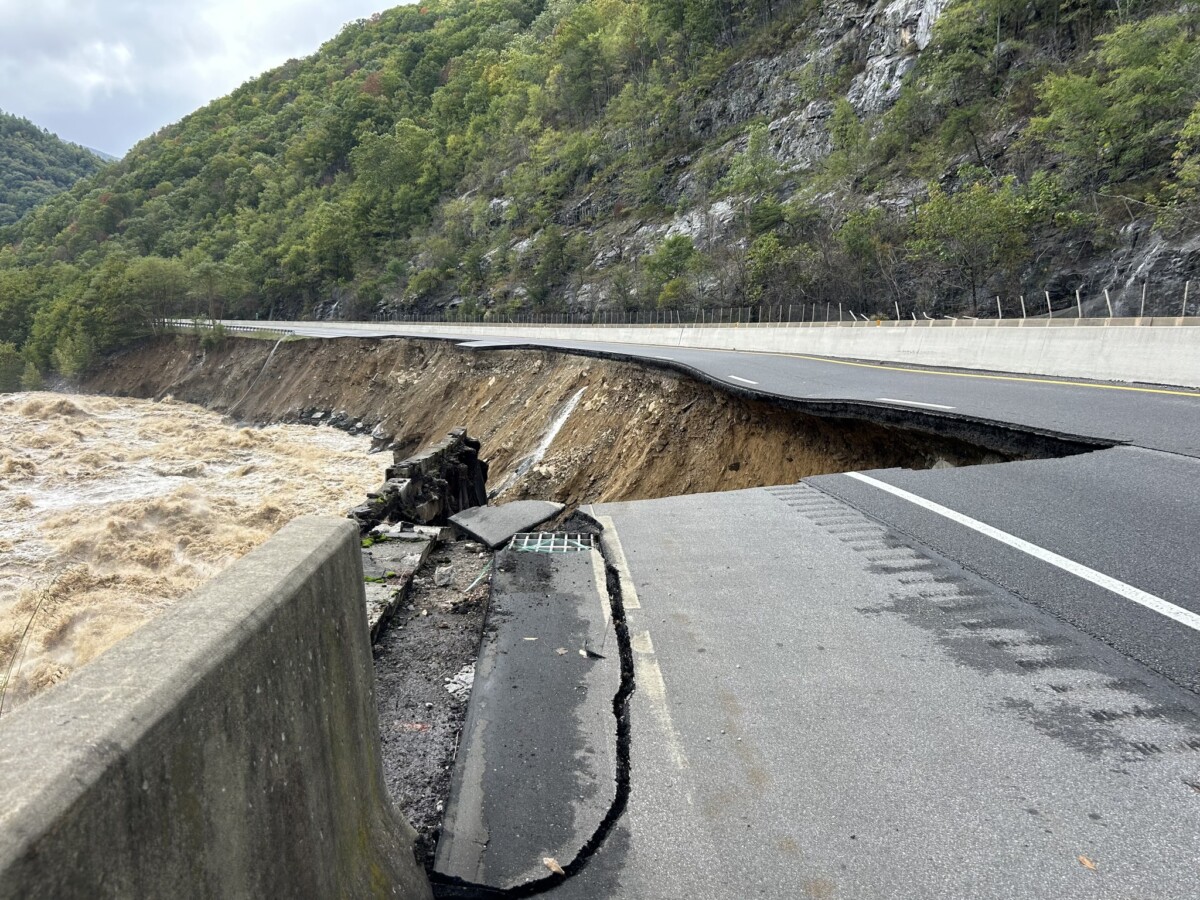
<point>267,327</point>
<point>209,324</point>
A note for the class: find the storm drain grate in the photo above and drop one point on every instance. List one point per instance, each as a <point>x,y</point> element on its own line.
<point>551,542</point>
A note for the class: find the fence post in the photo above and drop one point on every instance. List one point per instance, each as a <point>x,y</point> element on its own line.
<point>1049,308</point>
<point>1142,314</point>
<point>897,305</point>
<point>999,311</point>
<point>1109,302</point>
<point>1023,316</point>
<point>1186,287</point>
<point>1078,304</point>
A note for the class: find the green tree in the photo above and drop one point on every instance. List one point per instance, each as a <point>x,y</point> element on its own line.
<point>671,260</point>
<point>975,233</point>
<point>31,378</point>
<point>1124,118</point>
<point>11,366</point>
<point>754,171</point>
<point>158,287</point>
<point>74,351</point>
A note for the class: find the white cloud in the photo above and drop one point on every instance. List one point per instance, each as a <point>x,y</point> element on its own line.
<point>108,74</point>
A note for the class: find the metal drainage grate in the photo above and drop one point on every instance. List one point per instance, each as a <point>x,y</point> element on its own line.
<point>551,542</point>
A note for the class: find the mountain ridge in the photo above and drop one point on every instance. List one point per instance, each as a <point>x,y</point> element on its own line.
<point>36,164</point>
<point>481,159</point>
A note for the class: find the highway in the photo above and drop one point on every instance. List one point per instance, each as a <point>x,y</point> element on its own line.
<point>957,682</point>
<point>1153,416</point>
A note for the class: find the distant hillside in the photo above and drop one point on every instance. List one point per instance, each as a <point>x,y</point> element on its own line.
<point>105,157</point>
<point>490,157</point>
<point>35,165</point>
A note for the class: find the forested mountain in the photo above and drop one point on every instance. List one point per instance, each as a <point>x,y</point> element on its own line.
<point>487,156</point>
<point>35,165</point>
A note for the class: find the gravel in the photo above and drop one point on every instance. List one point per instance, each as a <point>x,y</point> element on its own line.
<point>430,643</point>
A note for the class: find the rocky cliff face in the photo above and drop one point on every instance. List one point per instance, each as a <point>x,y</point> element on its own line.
<point>880,42</point>
<point>862,52</point>
<point>869,46</point>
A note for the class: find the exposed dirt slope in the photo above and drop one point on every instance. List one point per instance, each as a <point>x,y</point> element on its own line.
<point>635,433</point>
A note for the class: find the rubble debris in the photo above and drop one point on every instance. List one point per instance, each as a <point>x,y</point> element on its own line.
<point>430,487</point>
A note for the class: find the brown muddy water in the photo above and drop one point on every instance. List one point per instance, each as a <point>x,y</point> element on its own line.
<point>112,509</point>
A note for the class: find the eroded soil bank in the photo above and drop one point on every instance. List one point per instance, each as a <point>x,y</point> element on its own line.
<point>634,432</point>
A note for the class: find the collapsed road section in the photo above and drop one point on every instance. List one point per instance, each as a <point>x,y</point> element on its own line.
<point>536,774</point>
<point>618,430</point>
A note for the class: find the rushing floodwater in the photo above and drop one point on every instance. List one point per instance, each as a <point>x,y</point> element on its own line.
<point>111,509</point>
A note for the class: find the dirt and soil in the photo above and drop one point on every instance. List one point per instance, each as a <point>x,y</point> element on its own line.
<point>635,433</point>
<point>429,641</point>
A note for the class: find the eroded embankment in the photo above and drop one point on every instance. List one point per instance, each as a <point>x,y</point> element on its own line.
<point>634,432</point>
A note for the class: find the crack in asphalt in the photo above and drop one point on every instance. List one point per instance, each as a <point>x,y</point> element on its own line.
<point>445,886</point>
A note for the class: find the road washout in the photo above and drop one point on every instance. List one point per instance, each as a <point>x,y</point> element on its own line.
<point>115,508</point>
<point>634,433</point>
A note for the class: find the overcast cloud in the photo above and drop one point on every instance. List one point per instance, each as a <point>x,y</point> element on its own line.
<point>107,74</point>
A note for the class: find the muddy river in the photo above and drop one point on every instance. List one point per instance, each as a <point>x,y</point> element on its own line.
<point>112,509</point>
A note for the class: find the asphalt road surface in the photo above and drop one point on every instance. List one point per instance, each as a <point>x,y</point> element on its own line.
<point>963,682</point>
<point>827,708</point>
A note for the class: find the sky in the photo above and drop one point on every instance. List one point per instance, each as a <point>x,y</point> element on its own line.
<point>107,73</point>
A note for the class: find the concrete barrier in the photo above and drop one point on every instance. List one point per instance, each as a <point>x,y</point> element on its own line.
<point>1154,351</point>
<point>229,748</point>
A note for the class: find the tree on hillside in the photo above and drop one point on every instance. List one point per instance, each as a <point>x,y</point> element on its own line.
<point>972,234</point>
<point>35,165</point>
<point>665,268</point>
<point>1123,118</point>
<point>158,286</point>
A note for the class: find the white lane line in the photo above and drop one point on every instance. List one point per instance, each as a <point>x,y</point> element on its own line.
<point>742,380</point>
<point>912,403</point>
<point>1128,591</point>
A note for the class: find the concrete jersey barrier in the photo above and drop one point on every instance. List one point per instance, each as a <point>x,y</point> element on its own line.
<point>228,748</point>
<point>1153,351</point>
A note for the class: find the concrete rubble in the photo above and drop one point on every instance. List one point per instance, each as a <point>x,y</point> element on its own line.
<point>429,487</point>
<point>495,525</point>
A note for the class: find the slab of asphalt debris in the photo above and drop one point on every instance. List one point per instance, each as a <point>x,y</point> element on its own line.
<point>536,770</point>
<point>424,665</point>
<point>390,561</point>
<point>495,525</point>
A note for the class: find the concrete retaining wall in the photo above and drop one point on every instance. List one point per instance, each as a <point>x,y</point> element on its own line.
<point>1155,351</point>
<point>229,748</point>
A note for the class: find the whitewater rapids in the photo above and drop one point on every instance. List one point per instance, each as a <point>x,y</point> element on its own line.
<point>112,509</point>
